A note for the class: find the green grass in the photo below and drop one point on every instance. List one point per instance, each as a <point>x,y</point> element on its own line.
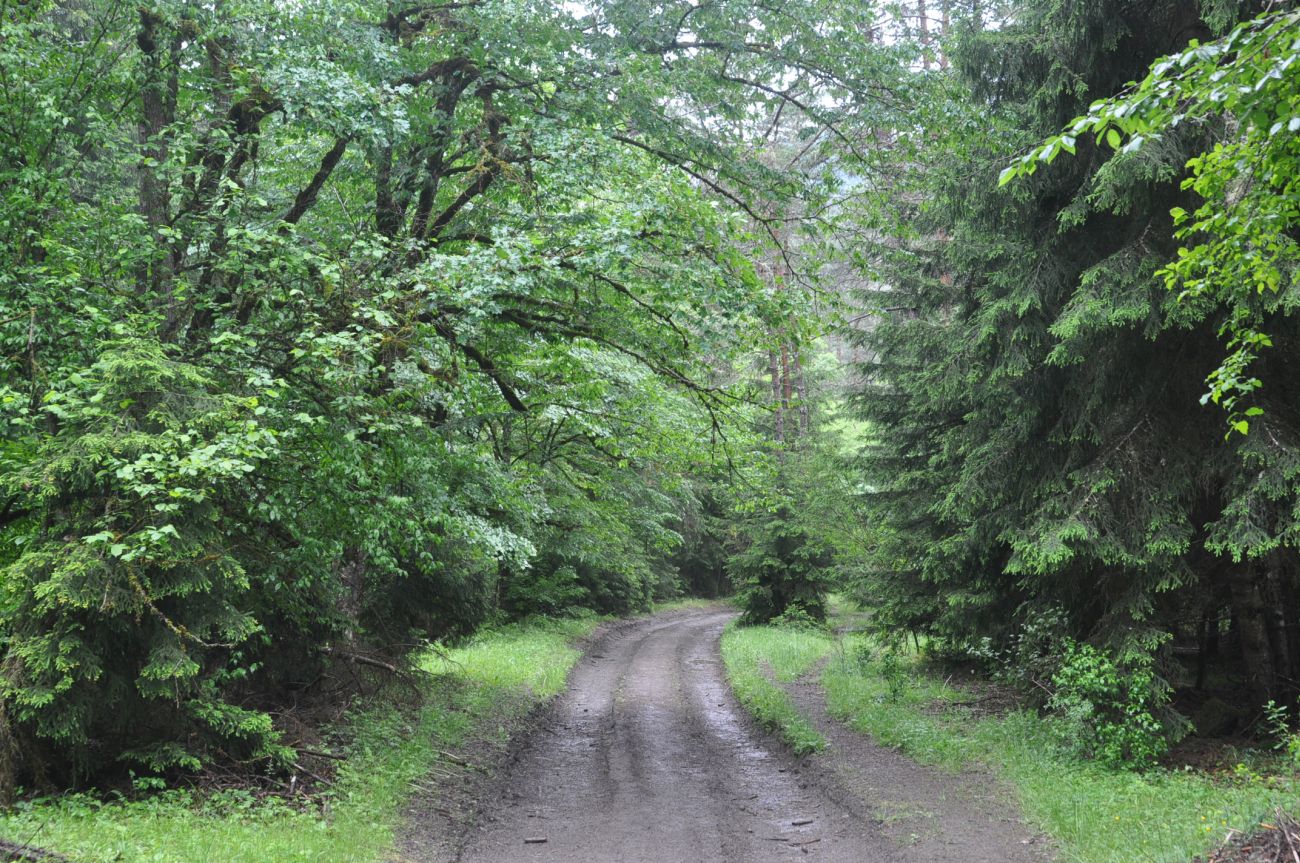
<point>477,690</point>
<point>690,602</point>
<point>535,656</point>
<point>753,656</point>
<point>1097,816</point>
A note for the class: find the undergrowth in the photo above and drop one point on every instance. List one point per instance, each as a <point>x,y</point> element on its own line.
<point>473,694</point>
<point>1096,814</point>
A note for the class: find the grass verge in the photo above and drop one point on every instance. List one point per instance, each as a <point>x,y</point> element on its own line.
<point>1096,815</point>
<point>476,692</point>
<point>690,602</point>
<point>756,658</point>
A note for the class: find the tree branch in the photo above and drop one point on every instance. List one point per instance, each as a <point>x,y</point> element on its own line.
<point>479,359</point>
<point>307,197</point>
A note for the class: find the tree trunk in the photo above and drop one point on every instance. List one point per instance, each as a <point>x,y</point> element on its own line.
<point>1275,621</point>
<point>1202,650</point>
<point>775,369</point>
<point>1291,612</point>
<point>923,23</point>
<point>946,6</point>
<point>8,761</point>
<point>1256,654</point>
<point>1212,637</point>
<point>801,394</point>
<point>153,120</point>
<point>157,109</point>
<point>786,389</point>
<point>388,218</point>
<point>352,581</point>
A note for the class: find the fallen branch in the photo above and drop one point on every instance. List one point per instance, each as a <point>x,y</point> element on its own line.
<point>1290,839</point>
<point>1276,841</point>
<point>14,851</point>
<point>361,659</point>
<point>316,753</point>
<point>460,761</point>
<point>321,779</point>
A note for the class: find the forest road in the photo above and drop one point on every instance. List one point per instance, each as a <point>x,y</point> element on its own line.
<point>647,757</point>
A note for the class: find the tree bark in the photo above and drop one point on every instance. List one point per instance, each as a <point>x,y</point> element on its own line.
<point>157,107</point>
<point>1291,611</point>
<point>801,394</point>
<point>1256,653</point>
<point>388,217</point>
<point>1202,650</point>
<point>774,369</point>
<point>786,389</point>
<point>923,23</point>
<point>946,6</point>
<point>352,581</point>
<point>1275,620</point>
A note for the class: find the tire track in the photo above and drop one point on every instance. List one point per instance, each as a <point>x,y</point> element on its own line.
<point>646,757</point>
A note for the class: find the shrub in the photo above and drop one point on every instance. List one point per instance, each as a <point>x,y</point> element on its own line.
<point>542,590</point>
<point>1278,727</point>
<point>797,617</point>
<point>1108,711</point>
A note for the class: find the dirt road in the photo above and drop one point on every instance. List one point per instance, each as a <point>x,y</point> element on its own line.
<point>646,757</point>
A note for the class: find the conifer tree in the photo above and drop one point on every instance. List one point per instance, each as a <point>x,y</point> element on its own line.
<point>1035,389</point>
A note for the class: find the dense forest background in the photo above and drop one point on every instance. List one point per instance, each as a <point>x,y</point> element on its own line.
<point>1084,459</point>
<point>329,329</point>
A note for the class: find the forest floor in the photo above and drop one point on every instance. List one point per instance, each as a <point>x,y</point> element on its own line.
<point>951,748</point>
<point>932,814</point>
<point>646,756</point>
<point>645,750</point>
<point>397,747</point>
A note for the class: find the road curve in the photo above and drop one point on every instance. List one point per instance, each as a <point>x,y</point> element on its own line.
<point>646,757</point>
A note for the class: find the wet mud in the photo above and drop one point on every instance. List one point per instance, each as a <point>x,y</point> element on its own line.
<point>646,757</point>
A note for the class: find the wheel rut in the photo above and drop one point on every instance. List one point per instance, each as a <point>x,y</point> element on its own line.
<point>932,815</point>
<point>647,757</point>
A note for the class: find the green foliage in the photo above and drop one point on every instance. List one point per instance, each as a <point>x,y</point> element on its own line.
<point>1109,710</point>
<point>702,557</point>
<point>893,673</point>
<point>476,695</point>
<point>781,575</point>
<point>533,656</point>
<point>1242,254</point>
<point>1032,655</point>
<point>344,328</point>
<point>1278,726</point>
<point>886,662</point>
<point>796,538</point>
<point>1033,386</point>
<point>1116,714</point>
<point>538,592</point>
<point>797,616</point>
<point>109,612</point>
<point>1095,815</point>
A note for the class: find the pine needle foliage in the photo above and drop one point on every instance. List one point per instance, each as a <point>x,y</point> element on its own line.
<point>1041,446</point>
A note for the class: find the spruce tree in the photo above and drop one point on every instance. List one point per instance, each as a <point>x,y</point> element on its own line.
<point>1035,390</point>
